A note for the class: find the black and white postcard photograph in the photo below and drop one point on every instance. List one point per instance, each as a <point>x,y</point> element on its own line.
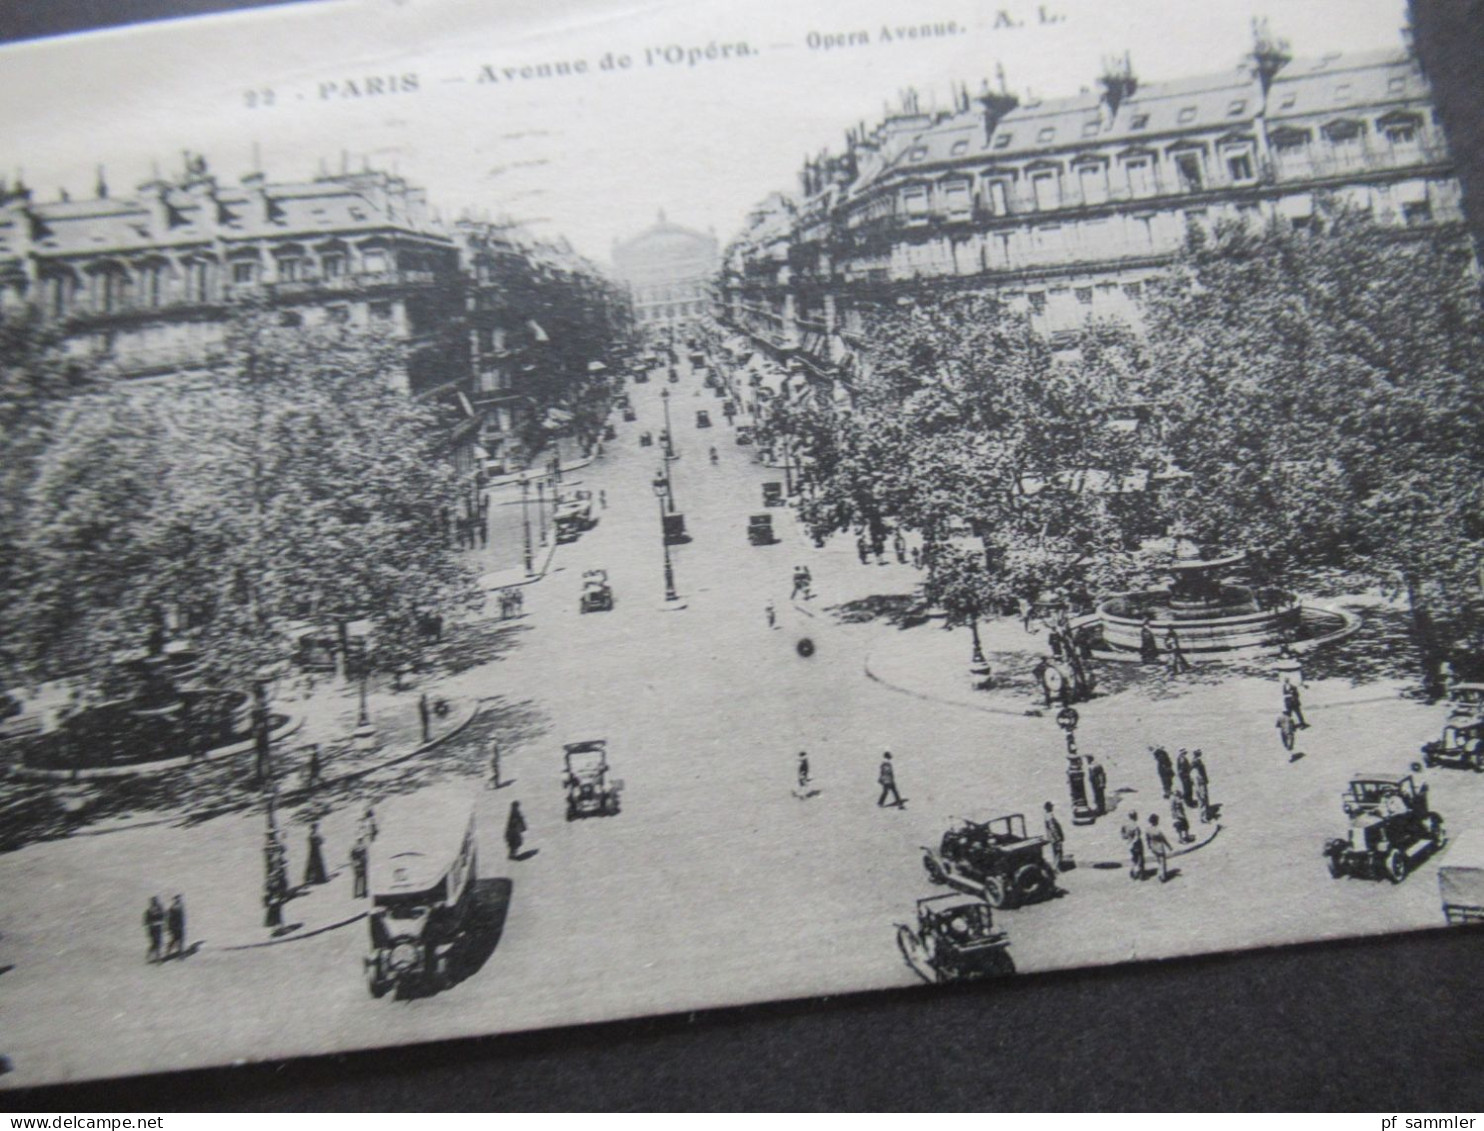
<point>516,516</point>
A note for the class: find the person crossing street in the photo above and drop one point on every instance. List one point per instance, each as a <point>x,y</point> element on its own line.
<point>1056,837</point>
<point>887,777</point>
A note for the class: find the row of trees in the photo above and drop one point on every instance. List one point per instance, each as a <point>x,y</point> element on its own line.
<point>292,482</point>
<point>1314,397</point>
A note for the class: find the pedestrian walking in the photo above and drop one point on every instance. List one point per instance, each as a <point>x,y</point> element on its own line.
<point>1178,662</point>
<point>1133,837</point>
<point>484,532</point>
<point>888,778</point>
<point>1163,767</point>
<point>899,544</point>
<point>803,769</point>
<point>1293,703</point>
<point>602,500</point>
<point>1286,730</point>
<point>1159,844</point>
<point>1097,784</point>
<point>520,602</point>
<point>1179,819</point>
<point>368,825</point>
<point>314,868</point>
<point>1201,787</point>
<point>175,927</point>
<point>1039,674</point>
<point>1148,645</point>
<point>313,771</point>
<point>1055,836</point>
<point>515,831</point>
<point>772,614</point>
<point>863,549</point>
<point>425,714</point>
<point>504,605</point>
<point>1182,767</point>
<point>916,557</point>
<point>360,859</point>
<point>154,927</point>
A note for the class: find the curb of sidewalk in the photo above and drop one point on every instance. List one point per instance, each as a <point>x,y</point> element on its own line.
<point>540,573</point>
<point>513,478</point>
<point>928,698</point>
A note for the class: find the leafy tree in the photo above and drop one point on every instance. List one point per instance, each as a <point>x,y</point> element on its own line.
<point>1325,390</point>
<point>294,482</point>
<point>970,428</point>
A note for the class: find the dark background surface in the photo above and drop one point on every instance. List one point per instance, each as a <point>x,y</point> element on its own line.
<point>1392,1024</point>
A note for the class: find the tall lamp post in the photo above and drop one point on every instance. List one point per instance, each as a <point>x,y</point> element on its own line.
<point>669,434</point>
<point>541,507</point>
<point>672,599</point>
<point>525,519</point>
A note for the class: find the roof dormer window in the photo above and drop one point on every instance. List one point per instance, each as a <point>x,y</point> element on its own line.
<point>1187,115</point>
<point>960,147</point>
<point>1138,122</point>
<point>1047,134</point>
<point>1287,102</point>
<point>1091,127</point>
<point>1237,108</point>
<point>1002,141</point>
<point>918,153</point>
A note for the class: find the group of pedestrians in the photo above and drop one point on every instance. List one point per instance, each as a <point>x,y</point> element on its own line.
<point>1186,785</point>
<point>512,603</point>
<point>166,928</point>
<point>1144,841</point>
<point>1173,651</point>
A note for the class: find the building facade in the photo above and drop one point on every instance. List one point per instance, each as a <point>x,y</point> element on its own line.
<point>669,271</point>
<point>1067,207</point>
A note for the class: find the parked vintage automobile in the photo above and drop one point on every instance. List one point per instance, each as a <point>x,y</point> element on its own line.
<point>1392,829</point>
<point>423,866</point>
<point>773,494</point>
<point>760,530</point>
<point>954,939</point>
<point>590,793</point>
<point>744,434</point>
<point>995,858</point>
<point>630,415</point>
<point>573,515</point>
<point>646,439</point>
<point>703,419</point>
<point>1462,742</point>
<point>597,594</point>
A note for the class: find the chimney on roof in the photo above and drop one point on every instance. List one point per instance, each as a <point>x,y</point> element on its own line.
<point>1269,53</point>
<point>1118,82</point>
<point>995,104</point>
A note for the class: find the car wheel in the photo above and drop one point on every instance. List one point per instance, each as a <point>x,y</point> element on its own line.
<point>994,892</point>
<point>1033,882</point>
<point>1396,866</point>
<point>935,871</point>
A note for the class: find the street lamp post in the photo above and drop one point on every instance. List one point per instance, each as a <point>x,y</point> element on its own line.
<point>541,507</point>
<point>663,474</point>
<point>788,479</point>
<point>671,597</point>
<point>1082,811</point>
<point>525,519</point>
<point>669,433</point>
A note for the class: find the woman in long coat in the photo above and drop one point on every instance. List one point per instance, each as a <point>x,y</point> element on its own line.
<point>314,870</point>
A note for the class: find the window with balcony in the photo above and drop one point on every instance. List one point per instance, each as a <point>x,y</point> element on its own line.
<point>1416,212</point>
<point>1133,291</point>
<point>290,269</point>
<point>152,283</point>
<point>1140,172</point>
<point>1239,166</point>
<point>244,273</point>
<point>1188,169</point>
<point>332,265</point>
<point>957,199</point>
<point>915,203</point>
<point>337,315</point>
<point>380,311</point>
<point>997,197</point>
<point>1037,299</point>
<point>1046,189</point>
<point>1092,181</point>
<point>198,280</point>
<point>1084,295</point>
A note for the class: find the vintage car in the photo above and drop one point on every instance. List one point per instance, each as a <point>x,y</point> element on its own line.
<point>773,495</point>
<point>1462,741</point>
<point>573,515</point>
<point>993,858</point>
<point>423,866</point>
<point>760,530</point>
<point>641,376</point>
<point>589,791</point>
<point>954,940</point>
<point>744,434</point>
<point>703,419</point>
<point>630,415</point>
<point>646,439</point>
<point>597,594</point>
<point>1392,829</point>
